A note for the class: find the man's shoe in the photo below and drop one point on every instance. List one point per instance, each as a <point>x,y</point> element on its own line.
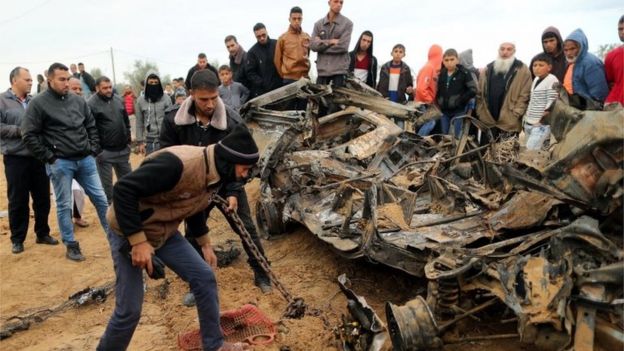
<point>81,222</point>
<point>189,299</point>
<point>17,248</point>
<point>73,252</point>
<point>262,281</point>
<point>48,240</point>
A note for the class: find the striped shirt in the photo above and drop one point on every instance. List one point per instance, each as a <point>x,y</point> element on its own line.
<point>543,94</point>
<point>393,85</point>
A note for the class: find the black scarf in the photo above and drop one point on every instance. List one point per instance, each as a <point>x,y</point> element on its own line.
<point>153,92</point>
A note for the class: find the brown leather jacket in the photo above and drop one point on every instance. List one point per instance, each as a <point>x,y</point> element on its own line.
<point>192,194</point>
<point>291,54</point>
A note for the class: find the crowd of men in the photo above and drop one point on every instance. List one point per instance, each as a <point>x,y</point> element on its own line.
<point>76,129</point>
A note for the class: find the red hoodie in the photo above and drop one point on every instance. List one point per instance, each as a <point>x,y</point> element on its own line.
<point>427,79</point>
<point>614,69</point>
<point>129,103</point>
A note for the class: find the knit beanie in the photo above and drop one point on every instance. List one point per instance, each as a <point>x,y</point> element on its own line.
<point>238,147</point>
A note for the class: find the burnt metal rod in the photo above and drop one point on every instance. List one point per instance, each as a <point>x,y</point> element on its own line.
<point>443,160</point>
<point>479,338</point>
<point>468,313</point>
<point>448,219</point>
<point>331,185</point>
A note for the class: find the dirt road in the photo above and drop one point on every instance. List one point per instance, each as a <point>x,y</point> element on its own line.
<point>41,277</point>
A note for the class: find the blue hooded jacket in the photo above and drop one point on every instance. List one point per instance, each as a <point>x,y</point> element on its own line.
<point>589,79</point>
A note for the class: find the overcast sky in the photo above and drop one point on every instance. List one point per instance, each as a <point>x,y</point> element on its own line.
<point>171,33</point>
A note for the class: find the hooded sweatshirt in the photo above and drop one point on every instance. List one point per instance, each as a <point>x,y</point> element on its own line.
<point>588,78</point>
<point>150,111</point>
<point>614,66</point>
<point>371,77</point>
<point>559,63</point>
<point>427,79</point>
<point>465,59</point>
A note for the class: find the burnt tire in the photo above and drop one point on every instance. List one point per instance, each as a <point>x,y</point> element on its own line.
<point>268,220</point>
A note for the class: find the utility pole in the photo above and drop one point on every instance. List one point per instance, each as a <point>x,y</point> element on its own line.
<point>113,63</point>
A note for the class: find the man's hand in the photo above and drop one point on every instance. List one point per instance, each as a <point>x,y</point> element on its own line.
<point>333,42</point>
<point>209,255</point>
<point>141,149</point>
<point>409,90</point>
<point>142,256</point>
<point>232,204</point>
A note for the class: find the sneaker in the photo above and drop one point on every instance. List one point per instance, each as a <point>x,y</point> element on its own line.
<point>73,252</point>
<point>48,240</point>
<point>262,281</point>
<point>17,248</point>
<point>189,299</point>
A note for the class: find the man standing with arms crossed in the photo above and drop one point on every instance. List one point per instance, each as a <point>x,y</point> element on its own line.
<point>330,39</point>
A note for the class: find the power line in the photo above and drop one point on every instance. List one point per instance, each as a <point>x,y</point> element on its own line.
<point>11,19</point>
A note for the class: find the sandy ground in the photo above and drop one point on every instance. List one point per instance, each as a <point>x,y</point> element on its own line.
<point>41,277</point>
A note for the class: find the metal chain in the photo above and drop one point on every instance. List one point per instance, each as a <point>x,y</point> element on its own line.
<point>296,306</point>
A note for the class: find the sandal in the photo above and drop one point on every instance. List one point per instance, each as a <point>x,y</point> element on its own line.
<point>239,346</point>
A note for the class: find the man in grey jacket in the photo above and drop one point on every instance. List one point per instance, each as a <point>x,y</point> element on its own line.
<point>113,127</point>
<point>58,129</point>
<point>25,174</point>
<point>150,112</point>
<point>331,37</point>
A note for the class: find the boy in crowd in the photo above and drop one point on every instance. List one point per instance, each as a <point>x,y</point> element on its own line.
<point>233,94</point>
<point>455,88</point>
<point>543,94</point>
<point>395,79</point>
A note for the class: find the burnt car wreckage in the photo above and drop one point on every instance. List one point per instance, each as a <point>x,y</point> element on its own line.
<point>535,236</point>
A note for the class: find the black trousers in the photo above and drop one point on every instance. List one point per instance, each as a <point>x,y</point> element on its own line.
<point>245,215</point>
<point>27,176</point>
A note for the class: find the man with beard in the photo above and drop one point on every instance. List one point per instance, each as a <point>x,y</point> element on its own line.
<point>585,79</point>
<point>205,120</point>
<point>553,47</point>
<point>59,130</point>
<point>149,205</point>
<point>202,63</point>
<point>237,57</point>
<point>363,64</point>
<point>259,67</point>
<point>504,92</point>
<point>25,175</point>
<point>111,120</point>
<point>150,112</point>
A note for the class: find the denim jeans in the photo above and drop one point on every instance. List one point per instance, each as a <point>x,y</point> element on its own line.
<point>536,135</point>
<point>61,173</point>
<point>428,127</point>
<point>151,146</point>
<point>178,255</point>
<point>106,161</point>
